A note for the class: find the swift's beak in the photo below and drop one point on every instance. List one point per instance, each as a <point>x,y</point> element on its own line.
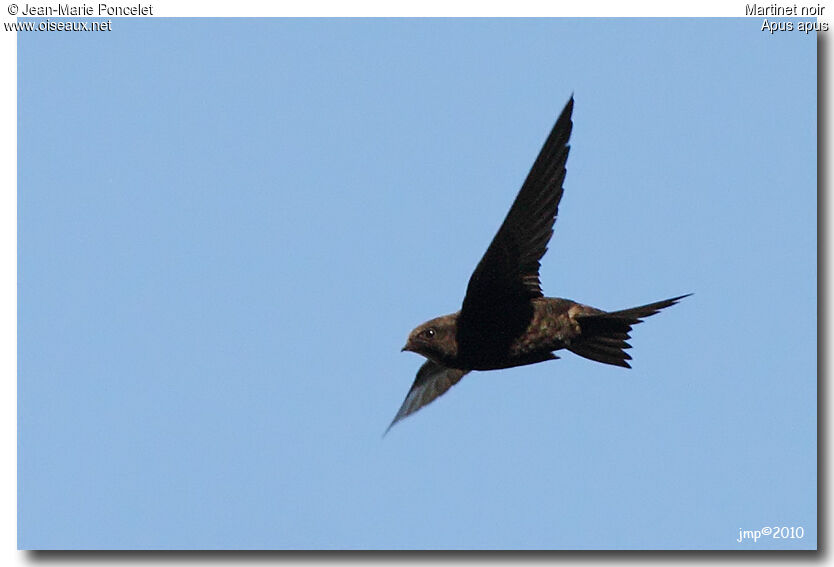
<point>405,348</point>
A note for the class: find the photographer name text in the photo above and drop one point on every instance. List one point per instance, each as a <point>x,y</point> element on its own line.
<point>86,10</point>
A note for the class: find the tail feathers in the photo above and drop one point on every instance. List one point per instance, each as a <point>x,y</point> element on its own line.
<point>604,335</point>
<point>594,349</point>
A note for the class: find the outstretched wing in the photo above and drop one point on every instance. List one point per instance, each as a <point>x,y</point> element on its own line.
<point>508,273</point>
<point>432,381</point>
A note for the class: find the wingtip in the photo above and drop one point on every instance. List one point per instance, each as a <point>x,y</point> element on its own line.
<point>397,418</point>
<point>668,303</point>
<point>566,114</point>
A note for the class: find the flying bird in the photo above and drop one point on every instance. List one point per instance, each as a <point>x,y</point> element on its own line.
<point>505,320</point>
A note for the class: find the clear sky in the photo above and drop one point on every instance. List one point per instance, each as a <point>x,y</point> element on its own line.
<point>227,229</point>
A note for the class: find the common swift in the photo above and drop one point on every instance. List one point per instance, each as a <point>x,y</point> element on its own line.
<point>505,320</point>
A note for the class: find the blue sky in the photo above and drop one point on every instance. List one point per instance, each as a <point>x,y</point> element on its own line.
<point>227,229</point>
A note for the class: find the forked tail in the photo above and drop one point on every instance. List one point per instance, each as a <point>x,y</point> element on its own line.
<point>604,335</point>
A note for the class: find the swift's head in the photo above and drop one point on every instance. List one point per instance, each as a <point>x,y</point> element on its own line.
<point>435,339</point>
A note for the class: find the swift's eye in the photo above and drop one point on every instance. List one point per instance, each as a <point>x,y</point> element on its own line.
<point>429,333</point>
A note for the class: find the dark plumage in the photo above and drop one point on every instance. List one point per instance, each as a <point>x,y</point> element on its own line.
<point>505,319</point>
